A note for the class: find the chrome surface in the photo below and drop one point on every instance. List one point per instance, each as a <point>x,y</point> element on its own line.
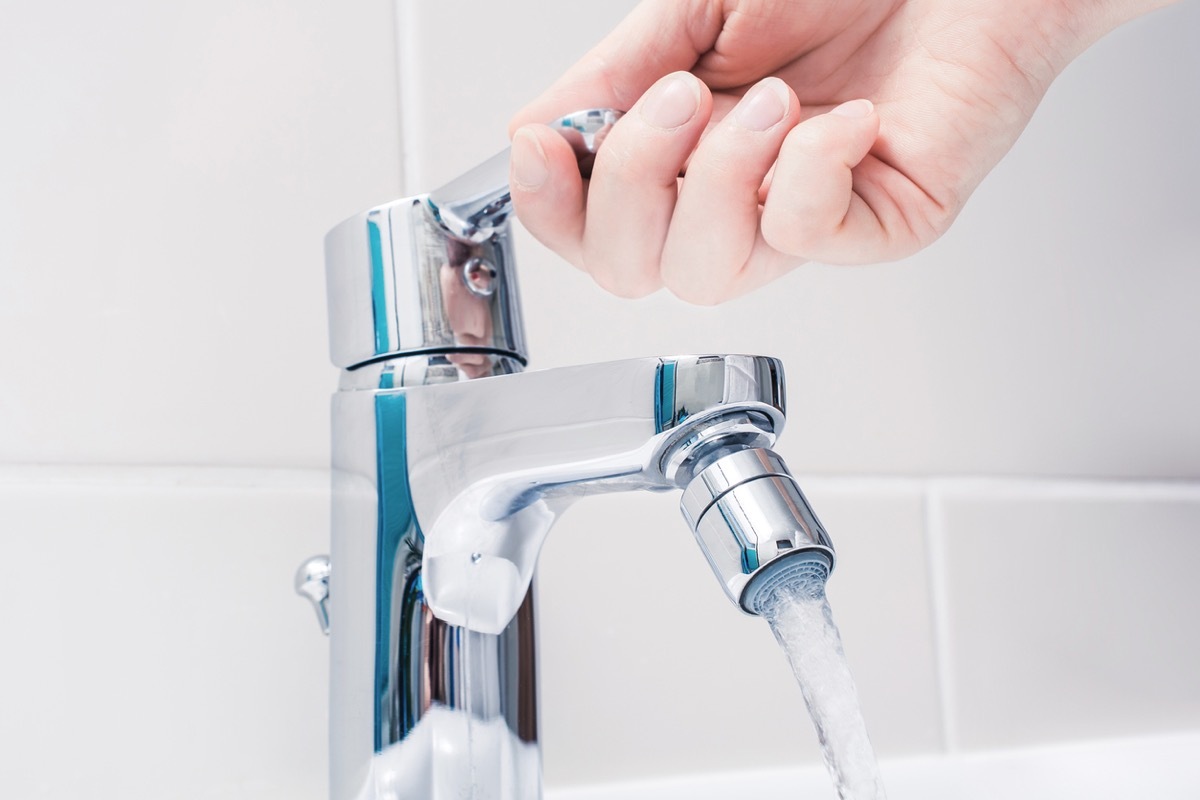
<point>747,511</point>
<point>419,708</point>
<point>428,369</point>
<point>443,496</point>
<point>312,581</point>
<point>434,272</point>
<point>477,203</point>
<point>395,285</point>
<point>493,463</point>
<point>450,465</point>
<point>723,474</point>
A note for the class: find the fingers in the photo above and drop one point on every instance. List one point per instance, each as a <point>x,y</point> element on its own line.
<point>713,241</point>
<point>547,190</point>
<point>812,208</point>
<point>658,37</point>
<point>764,191</point>
<point>635,182</point>
<point>631,197</point>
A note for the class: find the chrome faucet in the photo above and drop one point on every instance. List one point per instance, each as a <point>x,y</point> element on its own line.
<point>450,466</point>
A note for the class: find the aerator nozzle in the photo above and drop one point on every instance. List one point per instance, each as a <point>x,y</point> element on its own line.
<point>755,526</point>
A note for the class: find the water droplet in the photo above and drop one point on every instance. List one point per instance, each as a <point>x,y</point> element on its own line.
<point>476,558</point>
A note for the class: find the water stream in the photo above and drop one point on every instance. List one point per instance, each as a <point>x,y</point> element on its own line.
<point>800,617</point>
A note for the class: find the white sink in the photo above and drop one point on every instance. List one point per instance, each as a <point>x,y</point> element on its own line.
<point>1159,767</point>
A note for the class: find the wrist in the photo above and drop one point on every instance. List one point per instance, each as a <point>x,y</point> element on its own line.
<point>1042,37</point>
<point>1084,22</point>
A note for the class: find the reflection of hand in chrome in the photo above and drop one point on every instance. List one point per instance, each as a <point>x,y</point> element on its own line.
<point>470,318</point>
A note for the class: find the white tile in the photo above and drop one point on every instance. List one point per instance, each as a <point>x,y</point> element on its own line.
<point>162,296</point>
<point>648,670</point>
<point>1071,613</point>
<point>1051,332</point>
<point>479,64</point>
<point>153,645</point>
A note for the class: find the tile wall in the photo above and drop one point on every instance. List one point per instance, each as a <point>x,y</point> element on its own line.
<point>1000,432</point>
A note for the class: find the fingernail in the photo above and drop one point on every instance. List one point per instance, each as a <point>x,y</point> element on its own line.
<point>855,109</point>
<point>672,101</point>
<point>763,106</point>
<point>529,167</point>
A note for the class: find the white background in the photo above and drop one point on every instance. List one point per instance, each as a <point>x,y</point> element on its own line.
<point>1001,433</point>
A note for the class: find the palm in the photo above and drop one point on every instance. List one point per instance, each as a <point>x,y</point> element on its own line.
<point>952,83</point>
<point>936,145</point>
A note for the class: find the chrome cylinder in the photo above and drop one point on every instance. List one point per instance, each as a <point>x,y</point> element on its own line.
<point>419,708</point>
<point>399,283</point>
<point>749,515</point>
<point>422,293</point>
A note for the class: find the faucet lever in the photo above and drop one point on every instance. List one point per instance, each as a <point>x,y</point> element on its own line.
<point>477,203</point>
<point>433,274</point>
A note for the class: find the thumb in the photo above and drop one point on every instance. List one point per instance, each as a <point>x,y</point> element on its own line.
<point>657,38</point>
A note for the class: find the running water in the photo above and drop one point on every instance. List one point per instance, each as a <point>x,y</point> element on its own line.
<point>799,615</point>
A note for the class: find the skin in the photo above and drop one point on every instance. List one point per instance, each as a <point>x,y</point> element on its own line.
<point>764,133</point>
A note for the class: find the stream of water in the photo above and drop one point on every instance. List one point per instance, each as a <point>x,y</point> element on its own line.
<point>801,620</point>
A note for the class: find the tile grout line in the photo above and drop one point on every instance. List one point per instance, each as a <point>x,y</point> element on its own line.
<point>939,591</point>
<point>1041,487</point>
<point>408,85</point>
<point>1068,488</point>
<point>1045,488</point>
<point>127,476</point>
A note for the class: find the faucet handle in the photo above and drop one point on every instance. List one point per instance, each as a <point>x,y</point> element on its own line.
<point>475,204</point>
<point>433,274</point>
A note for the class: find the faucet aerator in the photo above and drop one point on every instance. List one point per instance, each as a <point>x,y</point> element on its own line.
<point>802,571</point>
<point>755,527</point>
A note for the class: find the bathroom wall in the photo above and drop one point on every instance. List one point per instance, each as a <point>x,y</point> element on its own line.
<point>1000,433</point>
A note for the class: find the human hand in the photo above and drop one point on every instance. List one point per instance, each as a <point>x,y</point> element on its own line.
<point>763,133</point>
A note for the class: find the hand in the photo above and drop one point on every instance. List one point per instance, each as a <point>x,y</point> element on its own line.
<point>763,133</point>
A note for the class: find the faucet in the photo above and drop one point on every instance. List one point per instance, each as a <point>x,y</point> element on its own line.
<point>451,465</point>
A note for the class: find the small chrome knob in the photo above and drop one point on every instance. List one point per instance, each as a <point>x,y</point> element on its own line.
<point>312,581</point>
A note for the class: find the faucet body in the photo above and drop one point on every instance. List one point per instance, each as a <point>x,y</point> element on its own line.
<point>450,465</point>
<point>443,496</point>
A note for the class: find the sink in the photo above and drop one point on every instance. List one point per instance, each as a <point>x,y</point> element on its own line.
<point>1163,767</point>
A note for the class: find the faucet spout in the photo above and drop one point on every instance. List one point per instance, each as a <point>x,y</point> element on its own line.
<point>493,463</point>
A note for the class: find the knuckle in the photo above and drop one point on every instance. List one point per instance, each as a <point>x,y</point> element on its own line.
<point>724,165</point>
<point>698,290</point>
<point>706,297</point>
<point>632,156</point>
<point>786,234</point>
<point>625,286</point>
<point>616,160</point>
